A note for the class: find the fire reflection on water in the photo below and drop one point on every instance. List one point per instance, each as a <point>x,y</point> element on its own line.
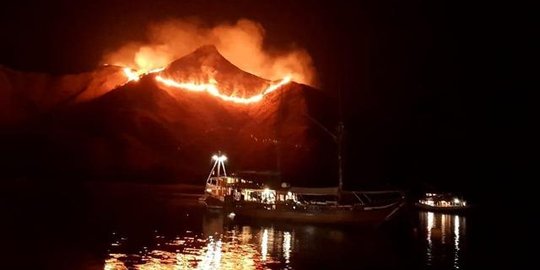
<point>442,235</point>
<point>237,248</point>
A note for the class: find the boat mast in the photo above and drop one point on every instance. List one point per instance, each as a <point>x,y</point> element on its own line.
<point>339,142</point>
<point>338,139</point>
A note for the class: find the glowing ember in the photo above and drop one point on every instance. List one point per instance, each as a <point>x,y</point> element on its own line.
<point>212,89</point>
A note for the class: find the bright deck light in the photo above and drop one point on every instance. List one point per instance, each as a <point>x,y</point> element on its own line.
<point>219,158</point>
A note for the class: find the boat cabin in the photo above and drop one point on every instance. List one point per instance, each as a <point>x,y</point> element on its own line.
<point>442,200</point>
<point>245,190</point>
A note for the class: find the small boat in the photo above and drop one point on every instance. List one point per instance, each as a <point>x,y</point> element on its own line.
<point>442,202</point>
<point>254,200</point>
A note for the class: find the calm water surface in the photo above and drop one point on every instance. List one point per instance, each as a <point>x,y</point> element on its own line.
<point>223,244</point>
<point>445,236</point>
<point>145,230</point>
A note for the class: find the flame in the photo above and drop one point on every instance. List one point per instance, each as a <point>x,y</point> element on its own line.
<point>154,70</point>
<point>133,75</point>
<point>212,89</point>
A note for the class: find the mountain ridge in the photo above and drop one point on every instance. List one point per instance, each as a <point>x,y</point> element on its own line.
<point>144,130</point>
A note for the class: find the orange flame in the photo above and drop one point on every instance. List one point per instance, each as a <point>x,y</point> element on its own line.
<point>133,75</point>
<point>212,89</point>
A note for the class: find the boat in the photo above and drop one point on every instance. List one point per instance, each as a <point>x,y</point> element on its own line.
<point>323,205</point>
<point>255,200</point>
<point>442,202</point>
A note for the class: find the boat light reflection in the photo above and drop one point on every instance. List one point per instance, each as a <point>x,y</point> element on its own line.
<point>287,246</point>
<point>264,244</point>
<point>443,232</point>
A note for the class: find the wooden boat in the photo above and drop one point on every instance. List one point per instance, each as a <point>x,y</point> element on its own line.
<point>334,211</point>
<point>253,200</point>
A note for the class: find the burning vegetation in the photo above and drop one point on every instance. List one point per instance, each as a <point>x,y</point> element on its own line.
<point>205,70</point>
<point>242,43</point>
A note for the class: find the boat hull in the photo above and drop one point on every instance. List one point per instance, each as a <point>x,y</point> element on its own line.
<point>320,215</point>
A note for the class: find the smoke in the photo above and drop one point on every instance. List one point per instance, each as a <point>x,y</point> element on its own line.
<point>241,43</point>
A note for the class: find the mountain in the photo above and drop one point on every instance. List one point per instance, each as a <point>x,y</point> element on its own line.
<point>25,95</point>
<point>146,131</point>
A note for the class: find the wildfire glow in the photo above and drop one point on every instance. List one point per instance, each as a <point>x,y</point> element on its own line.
<point>212,89</point>
<point>240,42</point>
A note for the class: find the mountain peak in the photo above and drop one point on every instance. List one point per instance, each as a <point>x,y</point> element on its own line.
<point>207,49</point>
<point>207,65</point>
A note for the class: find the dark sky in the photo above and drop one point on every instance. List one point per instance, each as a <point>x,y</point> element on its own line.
<point>409,71</point>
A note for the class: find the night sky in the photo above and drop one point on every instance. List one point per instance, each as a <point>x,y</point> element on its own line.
<point>415,75</point>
